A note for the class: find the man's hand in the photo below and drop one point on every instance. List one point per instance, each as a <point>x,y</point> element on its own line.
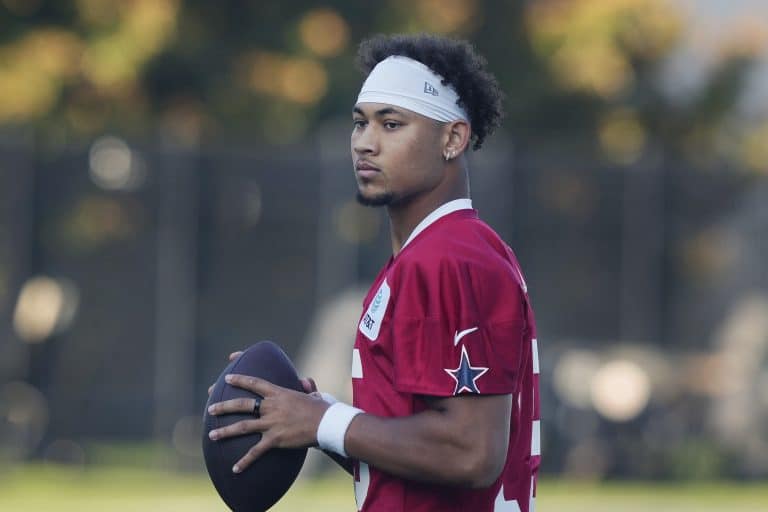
<point>288,418</point>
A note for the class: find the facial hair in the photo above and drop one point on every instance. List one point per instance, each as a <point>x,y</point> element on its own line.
<point>385,199</point>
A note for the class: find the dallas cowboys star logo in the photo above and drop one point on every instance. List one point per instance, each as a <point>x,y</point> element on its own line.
<point>466,375</point>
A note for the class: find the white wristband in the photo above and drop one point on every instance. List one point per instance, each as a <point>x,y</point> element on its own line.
<point>333,427</point>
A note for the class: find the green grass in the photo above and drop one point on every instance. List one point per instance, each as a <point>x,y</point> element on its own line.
<point>35,488</point>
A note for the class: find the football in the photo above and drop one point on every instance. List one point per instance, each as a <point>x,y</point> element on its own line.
<point>268,478</point>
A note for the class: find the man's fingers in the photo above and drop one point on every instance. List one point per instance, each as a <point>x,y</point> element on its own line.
<point>254,453</point>
<point>253,384</point>
<point>237,429</point>
<point>210,389</point>
<point>235,405</point>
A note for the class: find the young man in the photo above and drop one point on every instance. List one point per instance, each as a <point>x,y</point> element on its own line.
<point>445,364</point>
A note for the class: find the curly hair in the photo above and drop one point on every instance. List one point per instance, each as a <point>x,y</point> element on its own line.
<point>459,66</point>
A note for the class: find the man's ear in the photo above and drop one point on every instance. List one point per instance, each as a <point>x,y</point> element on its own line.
<point>456,139</point>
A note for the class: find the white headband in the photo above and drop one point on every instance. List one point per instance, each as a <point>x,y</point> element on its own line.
<point>407,83</point>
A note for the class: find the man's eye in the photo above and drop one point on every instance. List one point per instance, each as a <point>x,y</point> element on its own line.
<point>358,123</point>
<point>391,125</point>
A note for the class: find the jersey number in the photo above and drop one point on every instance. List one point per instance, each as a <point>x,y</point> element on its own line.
<point>362,481</point>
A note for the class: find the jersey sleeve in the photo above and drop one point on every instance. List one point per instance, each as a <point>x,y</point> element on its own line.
<point>458,328</point>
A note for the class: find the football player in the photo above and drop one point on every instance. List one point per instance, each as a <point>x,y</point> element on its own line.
<point>445,414</point>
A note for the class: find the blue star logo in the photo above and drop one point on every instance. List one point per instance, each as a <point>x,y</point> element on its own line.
<point>466,375</point>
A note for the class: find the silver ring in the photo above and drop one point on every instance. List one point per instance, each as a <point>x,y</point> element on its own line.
<point>256,406</point>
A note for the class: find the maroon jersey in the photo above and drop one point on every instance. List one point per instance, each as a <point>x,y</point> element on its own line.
<point>449,315</point>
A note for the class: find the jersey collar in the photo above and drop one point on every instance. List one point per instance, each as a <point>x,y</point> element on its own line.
<point>440,212</point>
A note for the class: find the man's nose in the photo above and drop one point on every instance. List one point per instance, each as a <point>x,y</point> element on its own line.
<point>365,141</point>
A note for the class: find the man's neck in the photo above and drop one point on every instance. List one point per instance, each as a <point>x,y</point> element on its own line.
<point>405,216</point>
<point>403,219</point>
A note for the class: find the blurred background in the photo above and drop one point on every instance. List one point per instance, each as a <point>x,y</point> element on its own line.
<point>175,184</point>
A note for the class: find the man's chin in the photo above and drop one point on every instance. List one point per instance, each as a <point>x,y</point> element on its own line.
<point>383,199</point>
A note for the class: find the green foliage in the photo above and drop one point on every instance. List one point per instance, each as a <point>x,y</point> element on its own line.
<point>581,73</point>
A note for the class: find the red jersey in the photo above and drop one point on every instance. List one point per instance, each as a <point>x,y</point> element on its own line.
<point>449,315</point>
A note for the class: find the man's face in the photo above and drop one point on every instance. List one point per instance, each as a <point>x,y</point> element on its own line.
<point>396,154</point>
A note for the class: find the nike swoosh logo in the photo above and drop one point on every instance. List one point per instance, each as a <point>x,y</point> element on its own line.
<point>458,335</point>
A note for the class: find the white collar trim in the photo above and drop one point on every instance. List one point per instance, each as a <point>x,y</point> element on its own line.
<point>442,211</point>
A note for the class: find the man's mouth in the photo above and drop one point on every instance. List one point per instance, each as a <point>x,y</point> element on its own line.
<point>362,165</point>
<point>366,170</point>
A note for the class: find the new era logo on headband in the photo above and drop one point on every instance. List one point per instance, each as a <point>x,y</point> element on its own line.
<point>430,89</point>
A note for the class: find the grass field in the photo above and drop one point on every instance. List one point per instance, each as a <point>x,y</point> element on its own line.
<point>54,488</point>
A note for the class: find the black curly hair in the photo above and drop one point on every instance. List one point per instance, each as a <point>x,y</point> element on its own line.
<point>459,65</point>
